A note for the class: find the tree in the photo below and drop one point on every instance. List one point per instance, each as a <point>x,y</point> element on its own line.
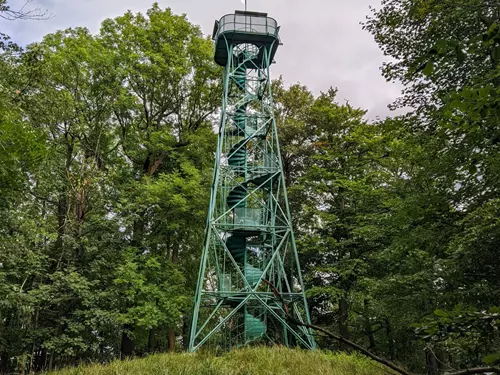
<point>445,52</point>
<point>169,90</point>
<point>337,191</point>
<point>111,167</point>
<point>292,109</point>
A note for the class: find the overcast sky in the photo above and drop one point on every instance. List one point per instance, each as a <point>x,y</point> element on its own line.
<point>324,44</point>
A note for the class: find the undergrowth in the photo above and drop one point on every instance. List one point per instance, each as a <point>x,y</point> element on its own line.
<point>248,361</point>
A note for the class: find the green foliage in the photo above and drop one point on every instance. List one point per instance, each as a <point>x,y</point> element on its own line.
<point>445,52</point>
<point>104,173</point>
<point>464,331</point>
<point>106,150</point>
<point>151,289</point>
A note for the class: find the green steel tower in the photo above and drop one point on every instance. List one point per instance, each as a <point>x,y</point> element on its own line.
<point>249,251</point>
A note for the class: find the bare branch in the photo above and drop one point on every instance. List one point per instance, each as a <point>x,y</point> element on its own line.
<point>7,13</point>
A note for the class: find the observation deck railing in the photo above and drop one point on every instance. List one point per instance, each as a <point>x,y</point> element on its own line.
<point>249,28</point>
<point>245,22</point>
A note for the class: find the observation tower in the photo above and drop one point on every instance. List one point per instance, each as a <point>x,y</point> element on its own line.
<point>249,265</point>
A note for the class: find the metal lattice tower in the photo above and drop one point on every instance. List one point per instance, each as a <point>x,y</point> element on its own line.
<point>249,244</point>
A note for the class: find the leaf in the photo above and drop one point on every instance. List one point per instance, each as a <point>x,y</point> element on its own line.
<point>429,69</point>
<point>464,106</point>
<point>492,359</point>
<point>492,27</point>
<point>496,53</point>
<point>441,44</point>
<point>472,170</point>
<point>440,313</point>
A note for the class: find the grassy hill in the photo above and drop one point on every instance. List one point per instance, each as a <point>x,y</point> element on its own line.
<point>249,361</point>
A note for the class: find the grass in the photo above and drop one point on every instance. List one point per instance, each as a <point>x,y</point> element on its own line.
<point>248,361</point>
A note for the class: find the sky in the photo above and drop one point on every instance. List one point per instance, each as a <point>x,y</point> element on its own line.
<point>323,42</point>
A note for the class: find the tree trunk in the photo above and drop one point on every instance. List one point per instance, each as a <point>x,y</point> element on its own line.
<point>175,254</point>
<point>62,208</point>
<point>343,315</point>
<point>171,330</point>
<point>368,325</point>
<point>171,340</point>
<point>431,363</point>
<point>31,368</point>
<point>151,335</point>
<point>51,360</point>
<point>4,362</point>
<point>63,201</point>
<point>185,333</point>
<point>127,345</point>
<point>442,359</point>
<point>390,340</point>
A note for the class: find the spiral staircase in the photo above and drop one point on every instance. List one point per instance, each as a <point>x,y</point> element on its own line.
<point>244,129</point>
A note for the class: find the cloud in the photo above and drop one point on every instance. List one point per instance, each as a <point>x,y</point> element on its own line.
<point>324,44</point>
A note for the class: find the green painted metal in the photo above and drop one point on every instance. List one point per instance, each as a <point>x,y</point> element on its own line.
<point>249,241</point>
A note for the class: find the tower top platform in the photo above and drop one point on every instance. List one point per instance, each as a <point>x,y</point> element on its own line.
<point>245,27</point>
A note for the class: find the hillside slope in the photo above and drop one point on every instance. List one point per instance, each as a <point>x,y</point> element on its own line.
<point>249,361</point>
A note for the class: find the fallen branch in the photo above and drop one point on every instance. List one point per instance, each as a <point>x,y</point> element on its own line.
<point>476,370</point>
<point>353,345</point>
<point>391,365</point>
